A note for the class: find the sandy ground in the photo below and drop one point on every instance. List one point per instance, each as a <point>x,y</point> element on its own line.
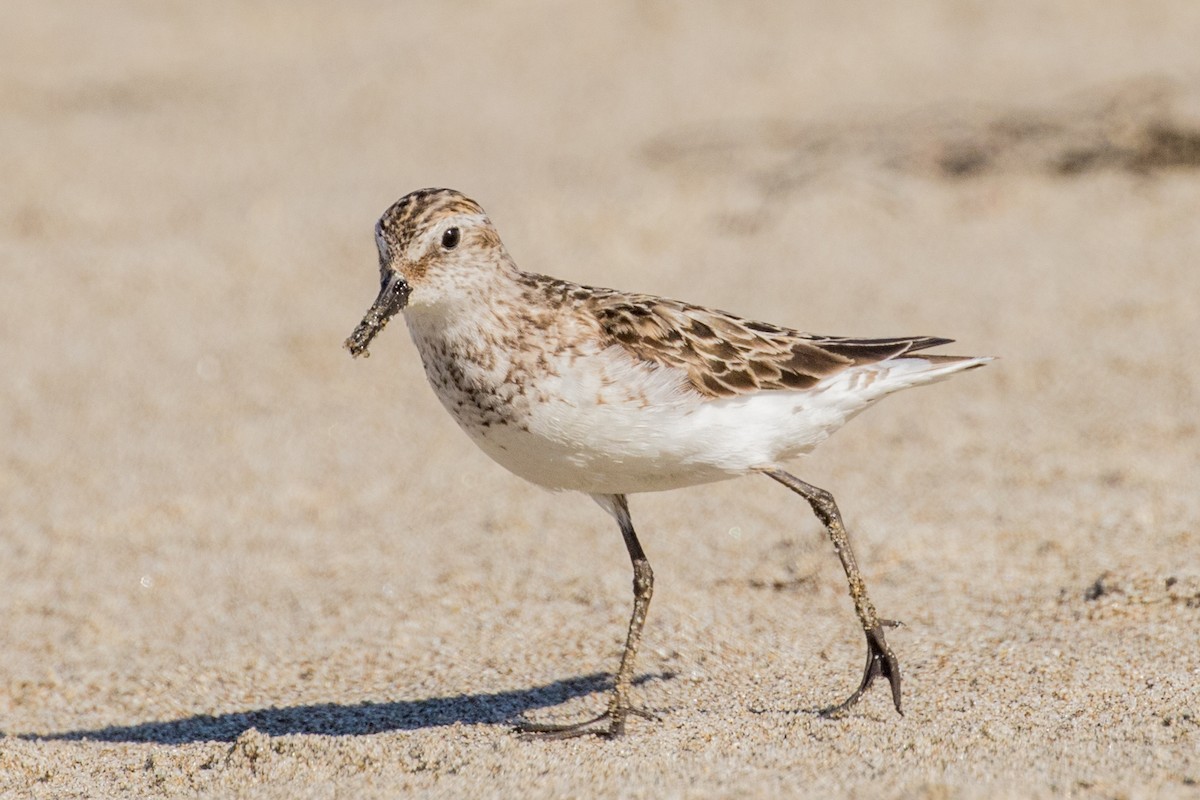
<point>233,561</point>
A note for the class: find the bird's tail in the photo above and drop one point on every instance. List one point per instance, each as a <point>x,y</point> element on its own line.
<point>862,384</point>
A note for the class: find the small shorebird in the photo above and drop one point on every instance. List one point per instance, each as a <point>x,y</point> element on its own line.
<point>608,393</point>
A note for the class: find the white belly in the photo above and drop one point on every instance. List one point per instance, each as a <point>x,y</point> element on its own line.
<point>612,425</point>
<point>604,422</point>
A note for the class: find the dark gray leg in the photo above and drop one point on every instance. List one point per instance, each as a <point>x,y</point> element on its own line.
<point>880,659</point>
<point>612,722</point>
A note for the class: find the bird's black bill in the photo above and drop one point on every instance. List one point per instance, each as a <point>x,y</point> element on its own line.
<point>393,296</point>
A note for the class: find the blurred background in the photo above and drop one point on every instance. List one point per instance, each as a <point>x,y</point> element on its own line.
<point>206,506</point>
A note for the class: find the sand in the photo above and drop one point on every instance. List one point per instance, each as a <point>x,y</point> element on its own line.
<point>236,562</point>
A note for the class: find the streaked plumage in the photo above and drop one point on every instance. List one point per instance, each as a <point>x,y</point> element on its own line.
<point>595,390</point>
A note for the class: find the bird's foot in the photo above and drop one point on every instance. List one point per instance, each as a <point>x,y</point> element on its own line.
<point>880,661</point>
<point>608,725</point>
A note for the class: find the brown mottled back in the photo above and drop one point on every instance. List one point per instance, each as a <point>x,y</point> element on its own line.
<point>725,355</point>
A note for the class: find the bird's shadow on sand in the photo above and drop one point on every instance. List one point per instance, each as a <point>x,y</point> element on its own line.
<point>337,719</point>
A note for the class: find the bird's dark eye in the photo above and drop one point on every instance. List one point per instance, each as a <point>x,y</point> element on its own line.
<point>450,238</point>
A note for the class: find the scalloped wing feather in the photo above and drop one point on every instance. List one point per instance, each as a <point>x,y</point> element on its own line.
<point>725,356</point>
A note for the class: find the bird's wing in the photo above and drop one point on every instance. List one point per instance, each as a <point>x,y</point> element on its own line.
<point>725,355</point>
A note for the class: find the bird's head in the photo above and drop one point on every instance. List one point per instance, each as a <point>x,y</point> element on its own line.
<point>435,245</point>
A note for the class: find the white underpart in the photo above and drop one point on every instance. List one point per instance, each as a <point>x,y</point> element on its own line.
<point>612,424</point>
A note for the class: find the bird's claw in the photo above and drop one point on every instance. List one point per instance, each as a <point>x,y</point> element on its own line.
<point>608,725</point>
<point>880,661</point>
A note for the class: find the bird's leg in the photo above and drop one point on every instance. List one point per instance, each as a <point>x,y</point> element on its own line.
<point>880,658</point>
<point>612,722</point>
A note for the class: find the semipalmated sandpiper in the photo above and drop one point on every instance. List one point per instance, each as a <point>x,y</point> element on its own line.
<point>609,393</point>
